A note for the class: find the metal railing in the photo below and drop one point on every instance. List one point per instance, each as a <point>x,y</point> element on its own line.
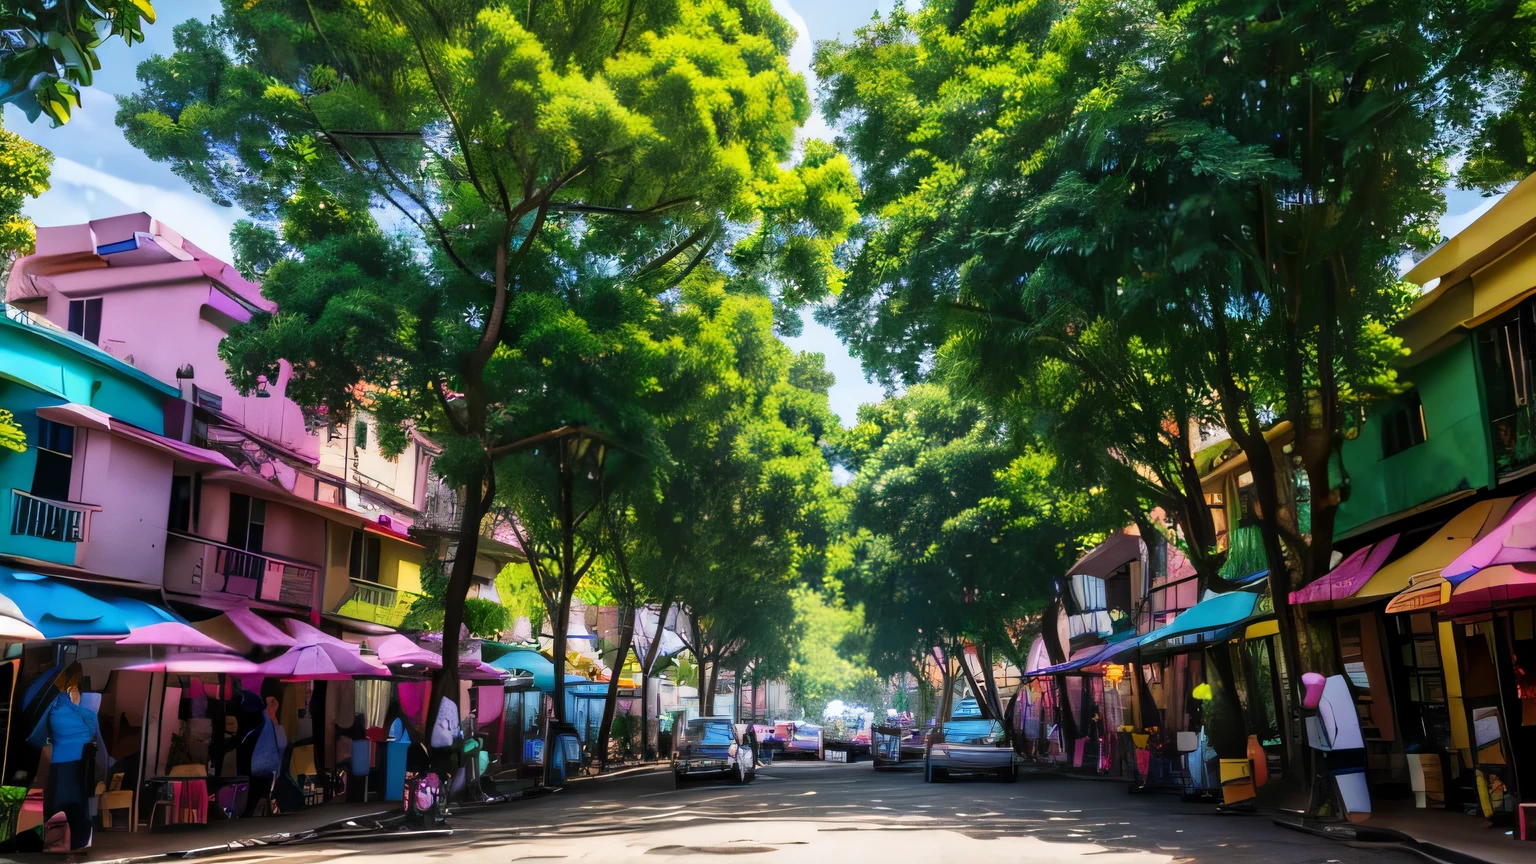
<point>47,519</point>
<point>224,569</point>
<point>380,604</point>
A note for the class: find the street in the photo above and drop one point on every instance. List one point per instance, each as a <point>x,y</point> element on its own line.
<point>826,812</point>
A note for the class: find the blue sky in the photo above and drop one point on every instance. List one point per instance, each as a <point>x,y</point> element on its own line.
<point>97,174</point>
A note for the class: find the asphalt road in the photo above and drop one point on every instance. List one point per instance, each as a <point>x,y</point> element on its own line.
<point>846,813</point>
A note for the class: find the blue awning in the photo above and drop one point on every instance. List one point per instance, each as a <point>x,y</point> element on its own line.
<point>535,664</point>
<point>70,609</point>
<point>1211,620</point>
<point>1119,644</point>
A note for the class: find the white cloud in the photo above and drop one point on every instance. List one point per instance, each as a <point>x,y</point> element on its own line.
<point>800,61</point>
<point>80,193</point>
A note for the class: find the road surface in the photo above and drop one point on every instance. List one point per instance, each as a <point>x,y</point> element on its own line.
<point>820,812</point>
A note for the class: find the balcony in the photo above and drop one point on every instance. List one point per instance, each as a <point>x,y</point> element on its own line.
<point>378,604</point>
<point>195,565</point>
<point>47,519</point>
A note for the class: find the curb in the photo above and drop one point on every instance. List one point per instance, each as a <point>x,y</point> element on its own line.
<point>1376,838</point>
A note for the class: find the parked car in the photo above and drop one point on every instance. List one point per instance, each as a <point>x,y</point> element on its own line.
<point>966,709</point>
<point>970,747</point>
<point>711,748</point>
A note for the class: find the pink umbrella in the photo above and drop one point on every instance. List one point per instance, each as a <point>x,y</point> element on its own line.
<point>320,662</point>
<point>174,634</point>
<point>190,663</point>
<point>245,630</point>
<point>397,650</point>
<point>303,634</point>
<point>1512,542</point>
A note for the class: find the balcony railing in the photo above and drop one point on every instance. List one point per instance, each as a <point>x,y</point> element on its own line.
<point>380,604</point>
<point>47,519</point>
<point>217,568</point>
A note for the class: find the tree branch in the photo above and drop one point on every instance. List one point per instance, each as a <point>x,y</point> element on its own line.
<point>629,14</point>
<point>599,210</point>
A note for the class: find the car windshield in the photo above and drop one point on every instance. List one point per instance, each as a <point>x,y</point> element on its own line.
<point>710,733</point>
<point>973,731</point>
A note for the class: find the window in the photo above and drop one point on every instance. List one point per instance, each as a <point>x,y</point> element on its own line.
<point>1402,426</point>
<point>85,319</point>
<point>55,460</point>
<point>247,522</point>
<point>364,561</point>
<point>180,517</point>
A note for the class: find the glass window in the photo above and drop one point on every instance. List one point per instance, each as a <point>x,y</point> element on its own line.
<point>1402,426</point>
<point>55,460</point>
<point>85,319</point>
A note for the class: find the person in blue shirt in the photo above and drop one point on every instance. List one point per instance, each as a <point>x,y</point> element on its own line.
<point>68,726</point>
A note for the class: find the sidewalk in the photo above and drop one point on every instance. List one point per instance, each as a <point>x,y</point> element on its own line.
<point>225,835</point>
<point>1452,837</point>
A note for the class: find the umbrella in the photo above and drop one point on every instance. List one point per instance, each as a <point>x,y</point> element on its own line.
<point>244,630</point>
<point>14,626</point>
<point>474,670</point>
<point>397,650</point>
<point>320,662</point>
<point>173,634</point>
<point>303,634</point>
<point>191,663</point>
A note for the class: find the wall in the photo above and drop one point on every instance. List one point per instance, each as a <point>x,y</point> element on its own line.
<point>1455,454</point>
<point>132,485</point>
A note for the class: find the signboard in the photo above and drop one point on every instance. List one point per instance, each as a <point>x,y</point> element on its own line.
<point>837,756</point>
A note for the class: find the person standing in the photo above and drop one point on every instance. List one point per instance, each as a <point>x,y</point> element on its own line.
<point>68,727</point>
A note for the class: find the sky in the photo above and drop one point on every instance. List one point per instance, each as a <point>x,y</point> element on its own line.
<point>96,173</point>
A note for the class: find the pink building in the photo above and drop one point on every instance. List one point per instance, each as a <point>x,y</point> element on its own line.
<point>310,518</point>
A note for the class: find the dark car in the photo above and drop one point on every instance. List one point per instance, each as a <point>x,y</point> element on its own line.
<point>711,748</point>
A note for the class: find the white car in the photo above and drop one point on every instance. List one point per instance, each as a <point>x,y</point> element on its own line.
<point>970,747</point>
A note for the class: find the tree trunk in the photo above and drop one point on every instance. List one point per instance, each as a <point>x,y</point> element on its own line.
<point>474,498</point>
<point>982,701</point>
<point>611,701</point>
<point>562,619</point>
<point>989,679</point>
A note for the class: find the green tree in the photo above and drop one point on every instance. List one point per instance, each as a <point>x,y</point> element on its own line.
<point>955,532</point>
<point>555,172</point>
<point>24,170</point>
<point>1219,190</point>
<point>48,49</point>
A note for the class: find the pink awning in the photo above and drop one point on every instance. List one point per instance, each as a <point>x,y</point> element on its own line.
<point>75,414</point>
<point>1353,572</point>
<point>303,634</point>
<point>1512,542</point>
<point>174,634</point>
<point>243,629</point>
<point>1491,586</point>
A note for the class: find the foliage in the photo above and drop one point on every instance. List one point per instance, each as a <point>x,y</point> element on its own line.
<point>514,585</point>
<point>552,176</point>
<point>953,531</point>
<point>827,664</point>
<point>48,49</point>
<point>24,170</point>
<point>485,619</point>
<point>12,436</point>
